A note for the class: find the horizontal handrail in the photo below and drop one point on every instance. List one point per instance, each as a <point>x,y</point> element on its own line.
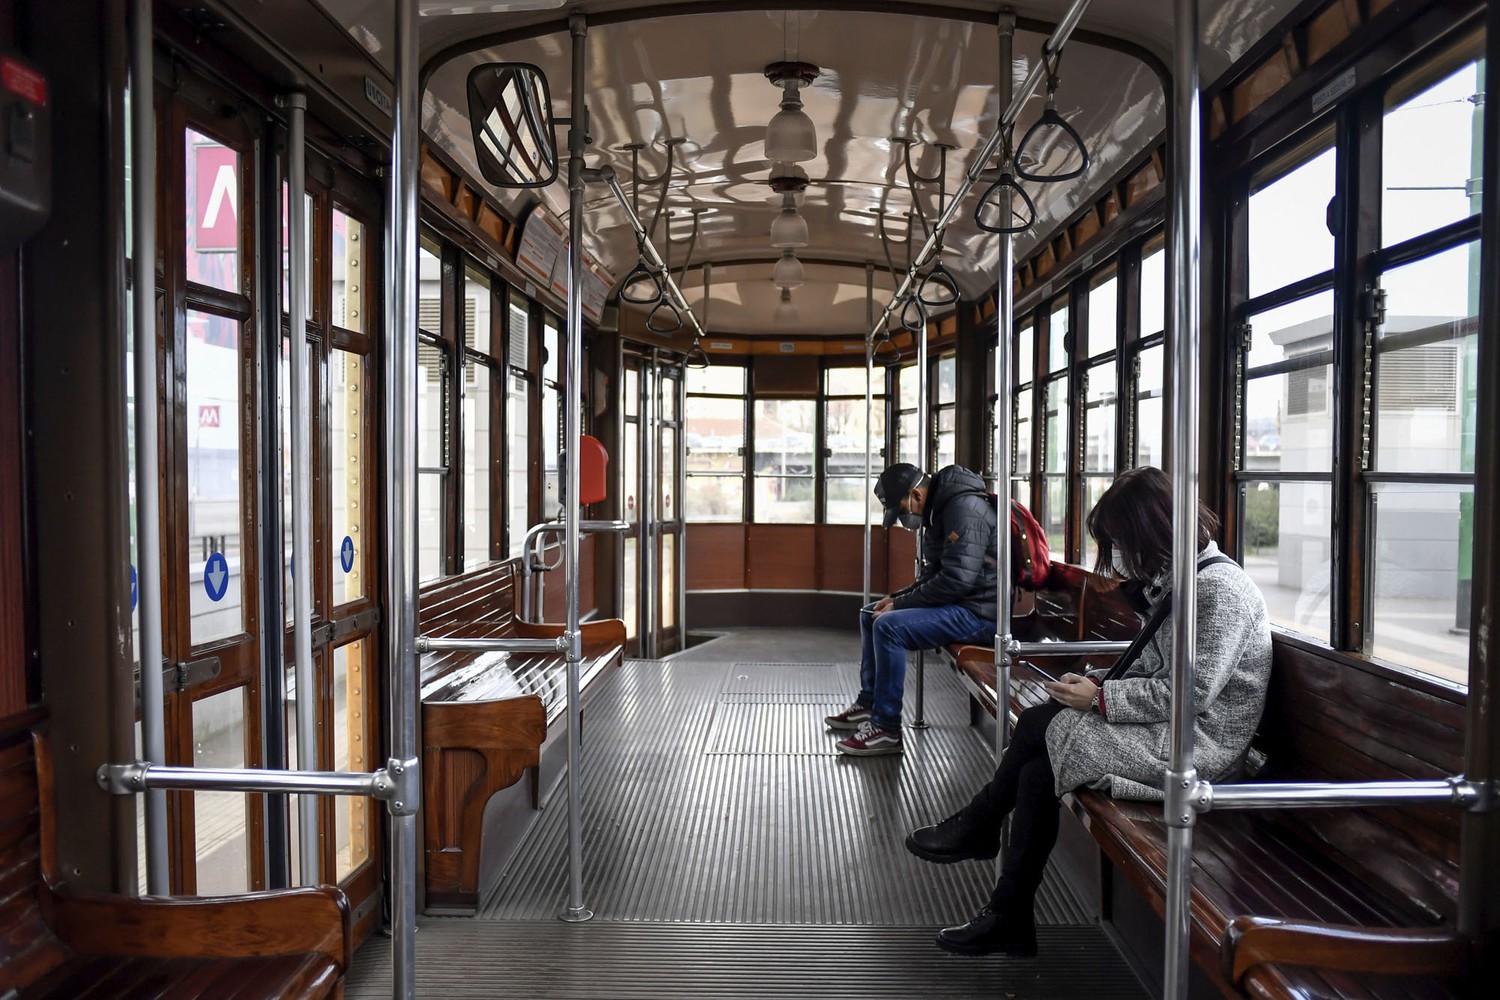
<point>1086,647</point>
<point>648,249</point>
<point>502,644</point>
<point>396,783</point>
<point>1456,791</point>
<point>555,527</point>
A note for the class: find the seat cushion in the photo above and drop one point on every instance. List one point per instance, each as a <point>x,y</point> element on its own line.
<point>88,977</point>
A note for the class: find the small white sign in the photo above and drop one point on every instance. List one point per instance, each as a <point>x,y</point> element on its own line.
<point>1341,85</point>
<point>788,348</point>
<point>376,95</point>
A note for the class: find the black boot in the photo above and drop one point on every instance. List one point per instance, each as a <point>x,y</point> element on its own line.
<point>990,932</point>
<point>951,840</point>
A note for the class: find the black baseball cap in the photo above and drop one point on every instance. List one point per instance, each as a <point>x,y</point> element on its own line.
<point>893,486</point>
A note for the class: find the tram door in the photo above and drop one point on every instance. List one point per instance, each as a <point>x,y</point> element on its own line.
<point>219,553</point>
<point>652,556</point>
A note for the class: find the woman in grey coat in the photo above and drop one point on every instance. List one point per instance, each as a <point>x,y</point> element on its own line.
<point>1113,734</point>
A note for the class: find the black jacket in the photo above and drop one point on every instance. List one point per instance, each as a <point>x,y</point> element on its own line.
<point>958,551</point>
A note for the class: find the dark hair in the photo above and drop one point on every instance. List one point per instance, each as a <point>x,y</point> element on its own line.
<point>1135,513</point>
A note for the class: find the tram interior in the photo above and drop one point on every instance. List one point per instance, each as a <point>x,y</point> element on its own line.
<point>710,268</point>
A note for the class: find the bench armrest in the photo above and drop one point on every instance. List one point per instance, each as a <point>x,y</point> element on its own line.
<point>1255,941</point>
<point>285,921</point>
<point>603,634</point>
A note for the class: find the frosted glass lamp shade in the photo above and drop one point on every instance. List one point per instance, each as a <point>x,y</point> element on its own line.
<point>788,271</point>
<point>786,313</point>
<point>791,137</point>
<point>789,228</point>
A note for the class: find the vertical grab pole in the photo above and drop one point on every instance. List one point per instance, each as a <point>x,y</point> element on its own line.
<point>1005,296</point>
<point>572,373</point>
<point>148,496</point>
<point>869,409</point>
<point>309,850</point>
<point>924,436</point>
<point>401,499</point>
<point>1182,248</point>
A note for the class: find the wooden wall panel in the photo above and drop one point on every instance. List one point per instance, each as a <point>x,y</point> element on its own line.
<point>716,557</point>
<point>781,557</point>
<point>841,564</point>
<point>555,596</point>
<point>901,554</point>
<point>12,598</point>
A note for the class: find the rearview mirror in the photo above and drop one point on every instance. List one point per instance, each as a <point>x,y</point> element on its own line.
<point>510,111</point>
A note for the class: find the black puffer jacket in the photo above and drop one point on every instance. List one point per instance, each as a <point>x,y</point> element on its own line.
<point>958,553</point>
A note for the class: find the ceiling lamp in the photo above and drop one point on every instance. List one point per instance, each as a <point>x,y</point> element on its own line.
<point>789,228</point>
<point>788,270</point>
<point>791,137</point>
<point>786,313</point>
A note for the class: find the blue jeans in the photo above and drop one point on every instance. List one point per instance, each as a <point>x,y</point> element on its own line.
<point>882,667</point>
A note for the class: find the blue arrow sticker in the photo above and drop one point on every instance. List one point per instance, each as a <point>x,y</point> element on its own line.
<point>346,554</point>
<point>134,587</point>
<point>216,576</point>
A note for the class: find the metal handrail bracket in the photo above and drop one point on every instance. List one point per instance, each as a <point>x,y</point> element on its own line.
<point>397,784</point>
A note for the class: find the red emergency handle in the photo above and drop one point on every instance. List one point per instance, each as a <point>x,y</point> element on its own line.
<point>593,470</point>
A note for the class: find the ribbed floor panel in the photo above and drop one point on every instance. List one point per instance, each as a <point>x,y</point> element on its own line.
<point>552,960</point>
<point>713,794</point>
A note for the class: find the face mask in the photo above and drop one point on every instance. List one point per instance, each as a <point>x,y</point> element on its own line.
<point>911,522</point>
<point>1117,560</point>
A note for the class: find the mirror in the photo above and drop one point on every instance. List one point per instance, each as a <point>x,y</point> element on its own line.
<point>510,111</point>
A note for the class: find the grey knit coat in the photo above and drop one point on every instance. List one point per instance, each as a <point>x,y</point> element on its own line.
<point>1126,751</point>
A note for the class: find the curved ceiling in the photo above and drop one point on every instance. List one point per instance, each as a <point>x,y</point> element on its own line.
<point>694,72</point>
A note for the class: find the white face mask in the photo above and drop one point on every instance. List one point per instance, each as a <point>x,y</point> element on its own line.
<point>1117,560</point>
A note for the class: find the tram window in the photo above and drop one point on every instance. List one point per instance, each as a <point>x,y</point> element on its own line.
<point>1098,438</point>
<point>214,182</point>
<point>1287,532</point>
<point>668,580</point>
<point>1426,406</point>
<point>720,380</point>
<point>668,469</point>
<point>351,752</point>
<point>1022,443</point>
<point>220,821</point>
<point>1025,354</point>
<point>552,348</point>
<point>1057,336</point>
<point>349,272</point>
<point>1055,462</point>
<point>1422,582</point>
<point>633,391</point>
<point>1104,323</point>
<point>478,462</point>
<point>1431,159</point>
<point>1288,401</point>
<point>715,462</point>
<point>432,456</point>
<point>347,391</point>
<point>477,312</point>
<point>214,463</point>
<point>1288,225</point>
<point>844,429</point>
<point>517,424</point>
<point>1153,293</point>
<point>284,401</point>
<point>908,448</point>
<point>784,438</point>
<point>1148,406</point>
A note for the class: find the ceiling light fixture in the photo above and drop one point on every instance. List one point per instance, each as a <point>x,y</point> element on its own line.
<point>791,137</point>
<point>786,313</point>
<point>788,270</point>
<point>789,228</point>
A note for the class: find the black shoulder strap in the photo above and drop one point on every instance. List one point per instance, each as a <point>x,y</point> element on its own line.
<point>1152,626</point>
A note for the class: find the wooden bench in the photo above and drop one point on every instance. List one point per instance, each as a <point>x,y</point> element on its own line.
<point>1305,903</point>
<point>59,942</point>
<point>486,719</point>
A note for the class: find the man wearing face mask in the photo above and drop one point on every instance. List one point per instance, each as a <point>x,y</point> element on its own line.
<point>953,600</point>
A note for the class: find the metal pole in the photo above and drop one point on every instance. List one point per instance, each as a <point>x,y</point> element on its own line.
<point>440,644</point>
<point>924,440</point>
<point>1054,43</point>
<point>148,497</point>
<point>401,494</point>
<point>1005,293</point>
<point>681,486</point>
<point>310,850</point>
<point>1082,647</point>
<point>869,413</point>
<point>572,394</point>
<point>650,415</point>
<point>1182,249</point>
<point>648,249</point>
<point>1321,795</point>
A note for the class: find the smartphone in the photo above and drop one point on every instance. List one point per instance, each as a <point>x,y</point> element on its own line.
<point>867,611</point>
<point>1040,672</point>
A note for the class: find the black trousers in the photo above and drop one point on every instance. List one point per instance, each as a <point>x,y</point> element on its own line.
<point>1022,788</point>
